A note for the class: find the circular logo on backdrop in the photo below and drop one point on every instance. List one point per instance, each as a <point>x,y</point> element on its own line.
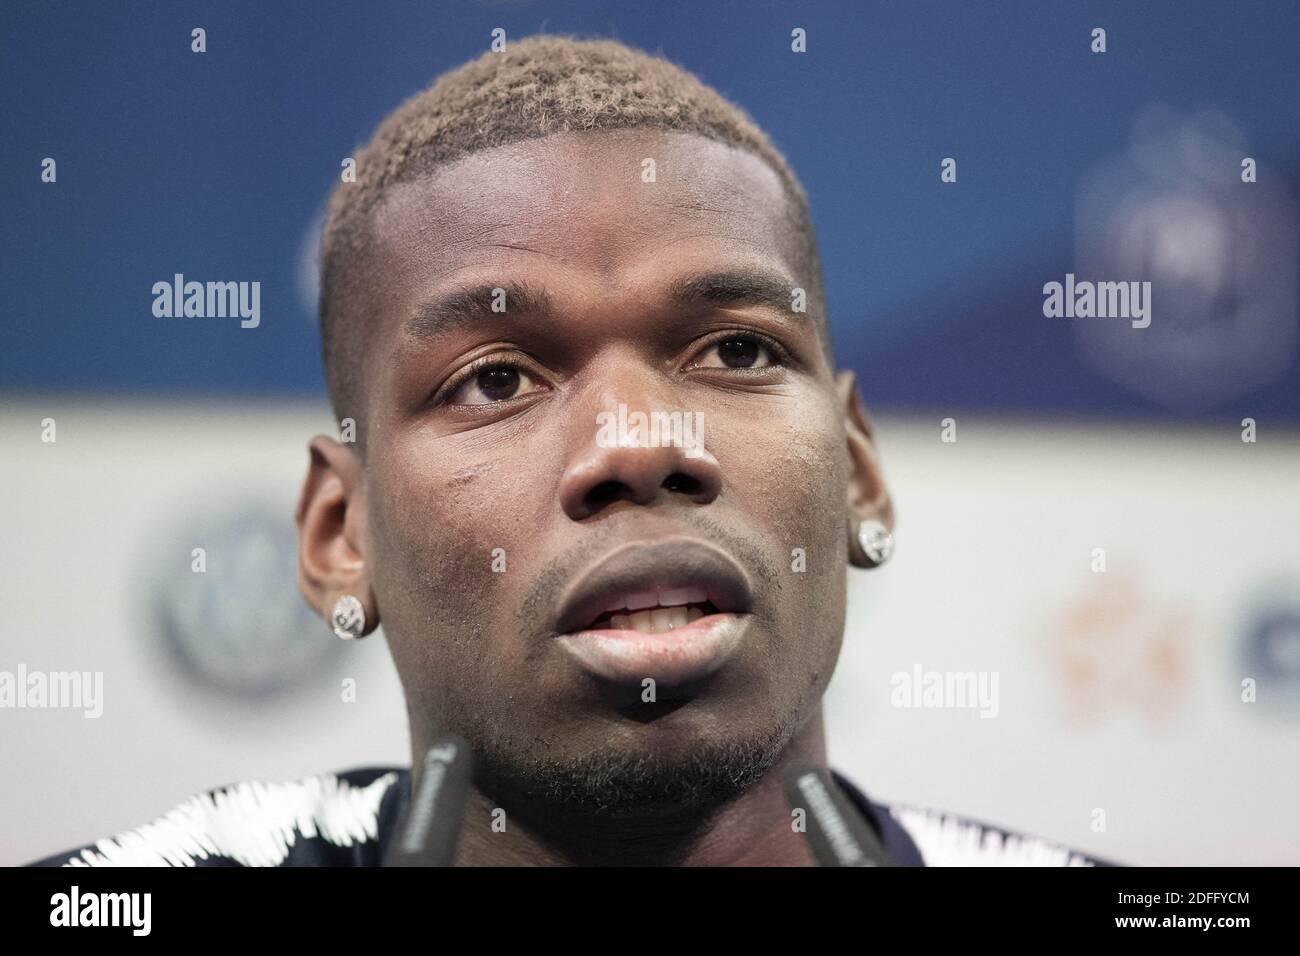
<point>227,604</point>
<point>1270,647</point>
<point>1188,212</point>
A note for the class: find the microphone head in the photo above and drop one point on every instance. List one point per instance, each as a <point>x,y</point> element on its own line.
<point>430,822</point>
<point>836,831</point>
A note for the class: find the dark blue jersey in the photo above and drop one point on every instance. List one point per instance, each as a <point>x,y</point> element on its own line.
<point>348,818</point>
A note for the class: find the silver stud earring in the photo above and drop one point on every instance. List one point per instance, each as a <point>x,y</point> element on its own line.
<point>877,542</point>
<point>348,618</point>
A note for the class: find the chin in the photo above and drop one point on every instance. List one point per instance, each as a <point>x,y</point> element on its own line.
<point>650,770</point>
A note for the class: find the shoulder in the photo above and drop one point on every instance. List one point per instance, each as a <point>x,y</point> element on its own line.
<point>328,819</point>
<point>919,836</point>
<point>947,839</point>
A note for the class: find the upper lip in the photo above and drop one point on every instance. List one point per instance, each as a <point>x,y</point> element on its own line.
<point>671,563</point>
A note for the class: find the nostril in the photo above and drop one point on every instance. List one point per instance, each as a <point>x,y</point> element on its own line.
<point>605,493</point>
<point>681,482</point>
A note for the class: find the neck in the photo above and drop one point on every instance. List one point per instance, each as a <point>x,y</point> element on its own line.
<point>752,829</point>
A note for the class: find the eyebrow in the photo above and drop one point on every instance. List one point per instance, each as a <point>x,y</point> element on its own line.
<point>467,306</point>
<point>733,289</point>
<point>692,293</point>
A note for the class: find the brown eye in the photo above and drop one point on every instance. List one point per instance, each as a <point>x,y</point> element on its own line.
<point>495,383</point>
<point>498,383</point>
<point>738,351</point>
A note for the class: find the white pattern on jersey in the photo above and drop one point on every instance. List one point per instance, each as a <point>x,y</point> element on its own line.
<point>947,840</point>
<point>252,823</point>
<point>256,824</point>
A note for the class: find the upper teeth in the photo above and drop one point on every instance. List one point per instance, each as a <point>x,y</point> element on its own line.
<point>657,621</point>
<point>659,597</point>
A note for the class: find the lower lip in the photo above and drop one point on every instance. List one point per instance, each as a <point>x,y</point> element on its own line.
<point>672,657</point>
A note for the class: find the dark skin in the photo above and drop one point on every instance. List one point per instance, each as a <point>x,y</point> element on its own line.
<point>506,457</point>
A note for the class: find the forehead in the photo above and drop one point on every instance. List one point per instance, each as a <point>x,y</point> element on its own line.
<point>616,208</point>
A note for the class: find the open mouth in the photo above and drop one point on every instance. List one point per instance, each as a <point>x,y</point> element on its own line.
<point>654,612</point>
<point>654,588</point>
<point>674,610</point>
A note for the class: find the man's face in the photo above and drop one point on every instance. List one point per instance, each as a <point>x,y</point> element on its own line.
<point>512,532</point>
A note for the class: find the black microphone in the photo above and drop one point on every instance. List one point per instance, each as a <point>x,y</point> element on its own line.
<point>431,817</point>
<point>835,829</point>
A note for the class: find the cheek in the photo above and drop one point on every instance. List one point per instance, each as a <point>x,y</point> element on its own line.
<point>434,534</point>
<point>792,471</point>
<point>788,476</point>
<point>443,504</point>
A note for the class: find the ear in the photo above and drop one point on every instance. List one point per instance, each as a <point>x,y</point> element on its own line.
<point>868,498</point>
<point>331,519</point>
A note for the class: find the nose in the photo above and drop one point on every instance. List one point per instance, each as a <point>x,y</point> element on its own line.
<point>640,459</point>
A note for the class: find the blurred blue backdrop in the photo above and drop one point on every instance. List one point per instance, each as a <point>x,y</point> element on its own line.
<point>216,165</point>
